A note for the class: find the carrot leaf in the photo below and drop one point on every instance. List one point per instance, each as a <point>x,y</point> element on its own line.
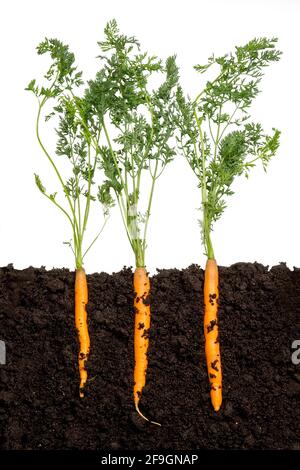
<point>61,81</point>
<point>215,134</point>
<point>131,124</point>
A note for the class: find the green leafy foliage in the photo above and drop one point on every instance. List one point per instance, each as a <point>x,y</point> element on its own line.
<point>238,79</point>
<point>105,197</point>
<point>62,73</point>
<point>214,133</point>
<point>135,122</point>
<point>39,183</point>
<point>73,141</point>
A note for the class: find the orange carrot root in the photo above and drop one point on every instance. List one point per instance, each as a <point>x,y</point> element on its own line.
<point>141,284</point>
<point>81,299</point>
<point>211,332</point>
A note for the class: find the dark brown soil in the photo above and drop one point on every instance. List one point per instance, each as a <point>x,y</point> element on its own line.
<point>259,320</point>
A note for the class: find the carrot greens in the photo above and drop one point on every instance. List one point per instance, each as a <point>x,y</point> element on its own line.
<point>136,124</point>
<point>215,134</point>
<point>56,102</point>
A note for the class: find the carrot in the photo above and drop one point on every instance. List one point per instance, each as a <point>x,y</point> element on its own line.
<point>211,332</point>
<point>220,144</point>
<point>136,149</point>
<point>141,285</point>
<point>76,187</point>
<point>81,299</point>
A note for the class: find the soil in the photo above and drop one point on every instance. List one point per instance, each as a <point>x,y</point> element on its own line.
<point>259,320</point>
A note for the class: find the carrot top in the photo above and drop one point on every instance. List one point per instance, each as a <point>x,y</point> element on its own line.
<point>57,102</point>
<point>216,136</point>
<point>135,125</point>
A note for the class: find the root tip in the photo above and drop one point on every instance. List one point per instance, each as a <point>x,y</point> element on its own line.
<point>144,417</point>
<point>216,406</point>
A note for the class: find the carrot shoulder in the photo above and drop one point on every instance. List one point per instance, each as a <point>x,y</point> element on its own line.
<point>81,299</point>
<point>211,332</point>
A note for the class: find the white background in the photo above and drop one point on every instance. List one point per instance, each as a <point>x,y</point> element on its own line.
<point>261,222</point>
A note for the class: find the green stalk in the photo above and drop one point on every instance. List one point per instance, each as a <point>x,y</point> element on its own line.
<point>124,221</point>
<point>88,199</point>
<point>96,238</point>
<point>206,222</point>
<point>118,169</point>
<point>62,79</point>
<point>149,207</point>
<point>136,244</point>
<point>48,155</point>
<point>74,222</point>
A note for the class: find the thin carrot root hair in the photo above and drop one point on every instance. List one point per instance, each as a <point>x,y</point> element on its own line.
<point>142,322</point>
<point>144,417</point>
<point>81,299</point>
<point>211,332</point>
